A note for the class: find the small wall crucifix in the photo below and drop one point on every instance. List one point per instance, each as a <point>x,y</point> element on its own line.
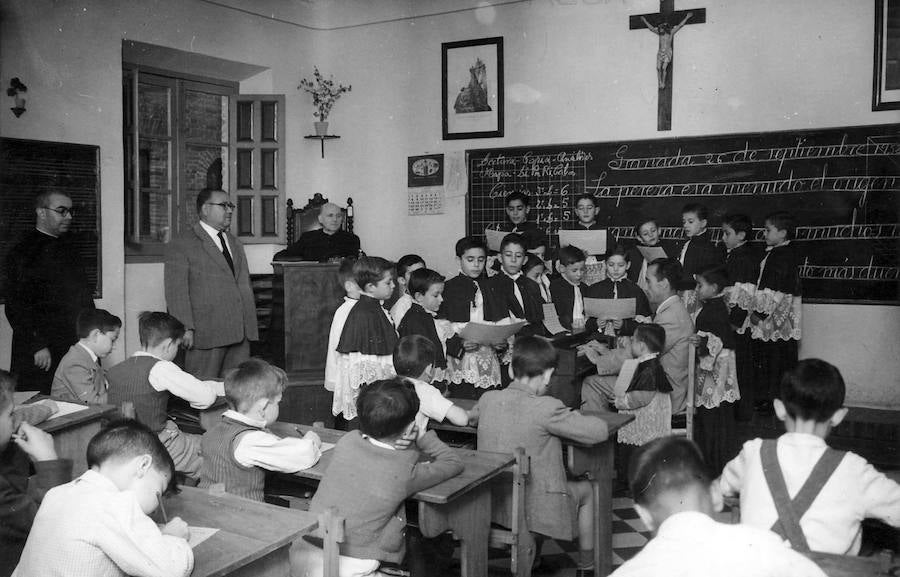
<point>665,24</point>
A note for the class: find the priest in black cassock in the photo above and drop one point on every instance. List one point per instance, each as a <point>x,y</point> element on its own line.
<point>46,287</point>
<point>326,243</point>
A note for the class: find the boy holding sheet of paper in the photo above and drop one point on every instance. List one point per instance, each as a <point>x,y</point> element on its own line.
<point>617,286</point>
<point>586,210</point>
<point>567,290</point>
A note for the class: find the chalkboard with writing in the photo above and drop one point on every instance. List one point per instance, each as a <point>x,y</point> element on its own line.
<point>30,167</point>
<point>842,185</point>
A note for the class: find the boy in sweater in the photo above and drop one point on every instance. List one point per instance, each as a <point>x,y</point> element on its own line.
<point>371,475</point>
<point>239,449</point>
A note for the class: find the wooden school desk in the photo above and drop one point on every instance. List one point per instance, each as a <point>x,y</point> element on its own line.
<point>253,539</point>
<point>853,566</point>
<point>72,433</point>
<point>461,504</point>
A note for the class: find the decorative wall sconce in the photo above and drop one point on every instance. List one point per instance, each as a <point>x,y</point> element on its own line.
<point>15,91</point>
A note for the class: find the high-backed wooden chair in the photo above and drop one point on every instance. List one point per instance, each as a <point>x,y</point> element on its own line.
<point>683,423</point>
<point>517,538</point>
<point>300,220</point>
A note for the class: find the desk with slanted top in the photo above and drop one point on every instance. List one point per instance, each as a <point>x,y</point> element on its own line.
<point>72,432</point>
<point>253,539</point>
<point>461,504</point>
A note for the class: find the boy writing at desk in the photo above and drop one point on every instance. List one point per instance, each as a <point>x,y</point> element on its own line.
<point>799,487</point>
<point>80,376</point>
<point>239,449</point>
<point>370,476</point>
<point>98,524</point>
<point>22,444</point>
<point>522,416</point>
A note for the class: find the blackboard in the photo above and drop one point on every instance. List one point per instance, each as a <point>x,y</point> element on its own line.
<point>842,184</point>
<point>29,167</point>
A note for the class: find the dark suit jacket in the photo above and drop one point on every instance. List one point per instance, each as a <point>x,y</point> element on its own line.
<point>315,245</point>
<point>203,293</point>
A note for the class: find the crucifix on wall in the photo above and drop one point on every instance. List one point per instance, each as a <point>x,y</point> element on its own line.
<point>665,24</point>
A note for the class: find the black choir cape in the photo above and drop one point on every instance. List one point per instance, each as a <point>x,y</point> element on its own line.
<point>623,289</point>
<point>742,264</point>
<point>701,255</point>
<point>782,271</point>
<point>649,376</point>
<point>562,293</point>
<point>713,318</point>
<point>532,300</point>
<point>367,330</point>
<point>634,256</point>
<point>315,245</point>
<point>418,321</point>
<point>459,295</point>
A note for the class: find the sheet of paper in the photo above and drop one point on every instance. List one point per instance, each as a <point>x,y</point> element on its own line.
<point>326,446</point>
<point>651,253</point>
<point>551,320</point>
<point>20,397</point>
<point>590,241</point>
<point>494,238</point>
<point>67,409</point>
<point>484,334</point>
<point>609,309</point>
<point>626,373</point>
<point>200,534</point>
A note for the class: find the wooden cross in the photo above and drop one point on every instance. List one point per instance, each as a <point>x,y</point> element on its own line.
<point>674,19</point>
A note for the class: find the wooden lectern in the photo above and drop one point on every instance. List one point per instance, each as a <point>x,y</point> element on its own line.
<point>304,298</point>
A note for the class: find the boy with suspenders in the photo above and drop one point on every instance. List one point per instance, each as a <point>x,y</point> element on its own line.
<point>810,494</point>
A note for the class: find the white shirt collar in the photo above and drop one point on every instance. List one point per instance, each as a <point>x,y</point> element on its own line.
<point>515,276</point>
<point>89,351</point>
<point>665,302</point>
<point>213,233</point>
<point>647,357</point>
<point>146,354</point>
<point>242,418</point>
<point>378,443</point>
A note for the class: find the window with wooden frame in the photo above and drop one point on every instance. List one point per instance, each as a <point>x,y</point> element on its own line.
<point>180,137</point>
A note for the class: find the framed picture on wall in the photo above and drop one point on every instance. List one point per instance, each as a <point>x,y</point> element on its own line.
<point>472,85</point>
<point>886,84</point>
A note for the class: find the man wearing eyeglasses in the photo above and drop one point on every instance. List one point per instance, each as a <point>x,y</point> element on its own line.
<point>208,289</point>
<point>47,286</point>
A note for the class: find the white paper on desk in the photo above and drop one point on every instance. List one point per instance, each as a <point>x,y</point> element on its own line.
<point>609,309</point>
<point>551,320</point>
<point>626,373</point>
<point>651,253</point>
<point>590,241</point>
<point>200,534</point>
<point>494,238</point>
<point>67,409</point>
<point>326,447</point>
<point>20,397</point>
<point>484,334</point>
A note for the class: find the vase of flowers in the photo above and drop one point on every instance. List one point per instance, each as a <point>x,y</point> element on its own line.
<point>325,93</point>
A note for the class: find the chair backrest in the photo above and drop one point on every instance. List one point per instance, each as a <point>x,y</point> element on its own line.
<point>300,220</point>
<point>518,538</point>
<point>688,429</point>
<point>332,528</point>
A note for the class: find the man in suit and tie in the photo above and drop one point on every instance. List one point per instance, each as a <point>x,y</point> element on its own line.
<point>663,276</point>
<point>207,282</point>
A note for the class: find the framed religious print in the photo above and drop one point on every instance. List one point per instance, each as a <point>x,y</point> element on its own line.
<point>886,81</point>
<point>472,84</point>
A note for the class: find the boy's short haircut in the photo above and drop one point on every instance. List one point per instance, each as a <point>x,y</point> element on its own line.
<point>782,220</point>
<point>813,390</point>
<point>531,261</point>
<point>699,209</point>
<point>531,356</point>
<point>652,335</point>
<point>386,407</point>
<point>126,439</point>
<point>617,250</point>
<point>412,355</point>
<point>370,269</point>
<point>7,387</point>
<point>421,279</point>
<point>739,223</point>
<point>668,269</point>
<point>345,271</point>
<point>156,326</point>
<point>407,261</point>
<point>637,227</point>
<point>570,255</point>
<point>526,200</point>
<point>90,319</point>
<point>663,465</point>
<point>717,275</point>
<point>252,380</point>
<point>467,243</point>
<point>586,196</point>
<point>513,238</point>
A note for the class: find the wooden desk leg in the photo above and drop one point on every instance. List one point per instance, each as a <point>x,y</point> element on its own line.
<point>469,518</point>
<point>601,483</point>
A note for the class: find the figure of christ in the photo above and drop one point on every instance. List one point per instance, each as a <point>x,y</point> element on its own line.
<point>666,34</point>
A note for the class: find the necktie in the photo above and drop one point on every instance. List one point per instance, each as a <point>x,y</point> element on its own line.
<point>615,289</point>
<point>225,252</point>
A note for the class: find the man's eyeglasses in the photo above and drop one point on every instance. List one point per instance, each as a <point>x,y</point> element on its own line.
<point>224,205</point>
<point>62,211</point>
